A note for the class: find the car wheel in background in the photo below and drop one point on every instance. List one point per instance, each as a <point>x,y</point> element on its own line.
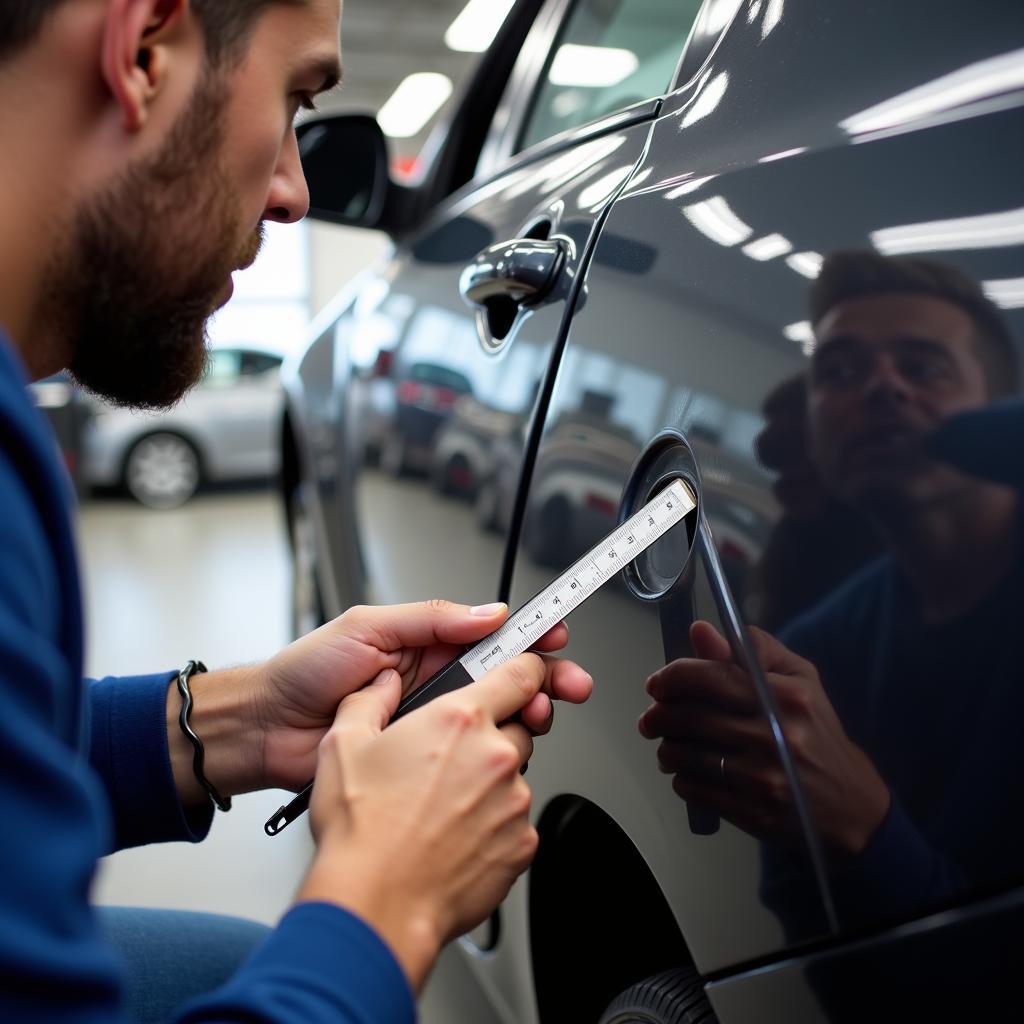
<point>672,997</point>
<point>307,603</point>
<point>162,470</point>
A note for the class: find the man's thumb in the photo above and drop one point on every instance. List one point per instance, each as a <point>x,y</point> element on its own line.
<point>371,708</point>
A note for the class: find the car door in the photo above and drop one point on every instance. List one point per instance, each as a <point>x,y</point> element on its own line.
<point>439,361</point>
<point>694,353</point>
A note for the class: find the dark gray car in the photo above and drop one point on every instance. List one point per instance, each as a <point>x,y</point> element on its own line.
<point>776,249</point>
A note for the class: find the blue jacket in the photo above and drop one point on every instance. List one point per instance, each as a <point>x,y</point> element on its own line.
<point>85,769</point>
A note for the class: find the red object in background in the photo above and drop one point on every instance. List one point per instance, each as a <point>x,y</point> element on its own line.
<point>405,168</point>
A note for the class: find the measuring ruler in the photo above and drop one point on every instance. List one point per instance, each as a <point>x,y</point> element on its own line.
<point>521,630</point>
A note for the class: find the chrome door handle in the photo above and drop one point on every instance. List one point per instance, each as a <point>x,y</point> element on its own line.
<point>523,270</point>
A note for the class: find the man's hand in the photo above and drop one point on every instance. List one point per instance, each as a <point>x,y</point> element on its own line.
<point>706,709</point>
<point>261,725</point>
<point>422,829</point>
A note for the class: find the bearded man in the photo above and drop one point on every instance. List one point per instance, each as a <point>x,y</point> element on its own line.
<point>144,143</point>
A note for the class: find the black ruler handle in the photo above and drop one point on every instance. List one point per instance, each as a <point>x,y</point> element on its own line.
<point>453,676</point>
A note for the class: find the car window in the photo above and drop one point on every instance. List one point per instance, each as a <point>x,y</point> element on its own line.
<point>255,364</point>
<point>223,368</point>
<point>609,55</point>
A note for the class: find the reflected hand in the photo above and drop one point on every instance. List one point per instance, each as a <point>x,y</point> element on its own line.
<point>296,693</point>
<point>706,710</point>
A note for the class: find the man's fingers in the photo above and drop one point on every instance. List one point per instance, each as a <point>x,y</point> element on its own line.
<point>538,715</point>
<point>368,710</point>
<point>554,639</point>
<point>423,623</point>
<point>520,738</point>
<point>708,642</point>
<point>716,682</point>
<point>508,688</point>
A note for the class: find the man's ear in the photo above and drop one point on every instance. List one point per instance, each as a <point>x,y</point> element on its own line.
<point>134,58</point>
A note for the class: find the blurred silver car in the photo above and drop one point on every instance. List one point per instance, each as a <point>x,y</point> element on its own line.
<point>225,429</point>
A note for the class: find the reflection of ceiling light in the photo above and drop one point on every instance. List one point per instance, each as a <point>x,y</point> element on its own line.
<point>802,333</point>
<point>475,28</point>
<point>772,16</point>
<point>604,188</point>
<point>413,104</point>
<point>714,218</point>
<point>986,231</point>
<point>977,81</point>
<point>706,100</point>
<point>753,11</point>
<point>768,247</point>
<point>719,14</point>
<point>688,186</point>
<point>782,156</point>
<point>806,263</point>
<point>591,66</point>
<point>1007,294</point>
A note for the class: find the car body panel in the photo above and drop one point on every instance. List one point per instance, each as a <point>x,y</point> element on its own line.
<point>698,222</point>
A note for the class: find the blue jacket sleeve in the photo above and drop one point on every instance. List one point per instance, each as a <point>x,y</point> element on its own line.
<point>127,731</point>
<point>321,965</point>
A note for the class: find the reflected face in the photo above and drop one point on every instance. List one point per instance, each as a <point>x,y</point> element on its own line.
<point>149,259</point>
<point>887,370</point>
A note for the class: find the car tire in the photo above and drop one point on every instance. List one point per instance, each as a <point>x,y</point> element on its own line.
<point>671,997</point>
<point>162,470</point>
<point>307,606</point>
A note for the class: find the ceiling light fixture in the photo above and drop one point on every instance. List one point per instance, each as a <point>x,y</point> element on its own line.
<point>477,25</point>
<point>416,100</point>
<point>592,67</point>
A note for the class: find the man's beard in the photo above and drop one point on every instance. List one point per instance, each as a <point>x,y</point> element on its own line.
<point>146,261</point>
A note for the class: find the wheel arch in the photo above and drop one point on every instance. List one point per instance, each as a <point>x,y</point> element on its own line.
<point>599,921</point>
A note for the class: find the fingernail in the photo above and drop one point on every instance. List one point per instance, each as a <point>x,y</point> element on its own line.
<point>487,609</point>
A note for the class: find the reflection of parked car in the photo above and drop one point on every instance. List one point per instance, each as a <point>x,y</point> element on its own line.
<point>424,397</point>
<point>687,168</point>
<point>225,429</point>
<point>68,411</point>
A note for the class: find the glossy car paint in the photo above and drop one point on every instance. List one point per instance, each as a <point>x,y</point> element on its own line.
<point>695,231</point>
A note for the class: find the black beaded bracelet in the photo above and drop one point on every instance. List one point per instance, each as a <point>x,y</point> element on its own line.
<point>191,669</point>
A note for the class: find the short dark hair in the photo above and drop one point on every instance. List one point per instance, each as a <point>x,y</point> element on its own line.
<point>855,273</point>
<point>226,24</point>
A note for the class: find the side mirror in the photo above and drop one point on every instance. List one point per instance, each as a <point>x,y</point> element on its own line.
<point>345,160</point>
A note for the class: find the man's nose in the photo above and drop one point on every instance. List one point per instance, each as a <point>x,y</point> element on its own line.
<point>885,383</point>
<point>288,199</point>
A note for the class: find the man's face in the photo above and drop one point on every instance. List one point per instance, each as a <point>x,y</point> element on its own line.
<point>150,258</point>
<point>887,370</point>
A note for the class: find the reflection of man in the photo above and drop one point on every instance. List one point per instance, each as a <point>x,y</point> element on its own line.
<point>144,143</point>
<point>919,714</point>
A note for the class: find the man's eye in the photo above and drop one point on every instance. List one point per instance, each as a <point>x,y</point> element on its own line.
<point>834,371</point>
